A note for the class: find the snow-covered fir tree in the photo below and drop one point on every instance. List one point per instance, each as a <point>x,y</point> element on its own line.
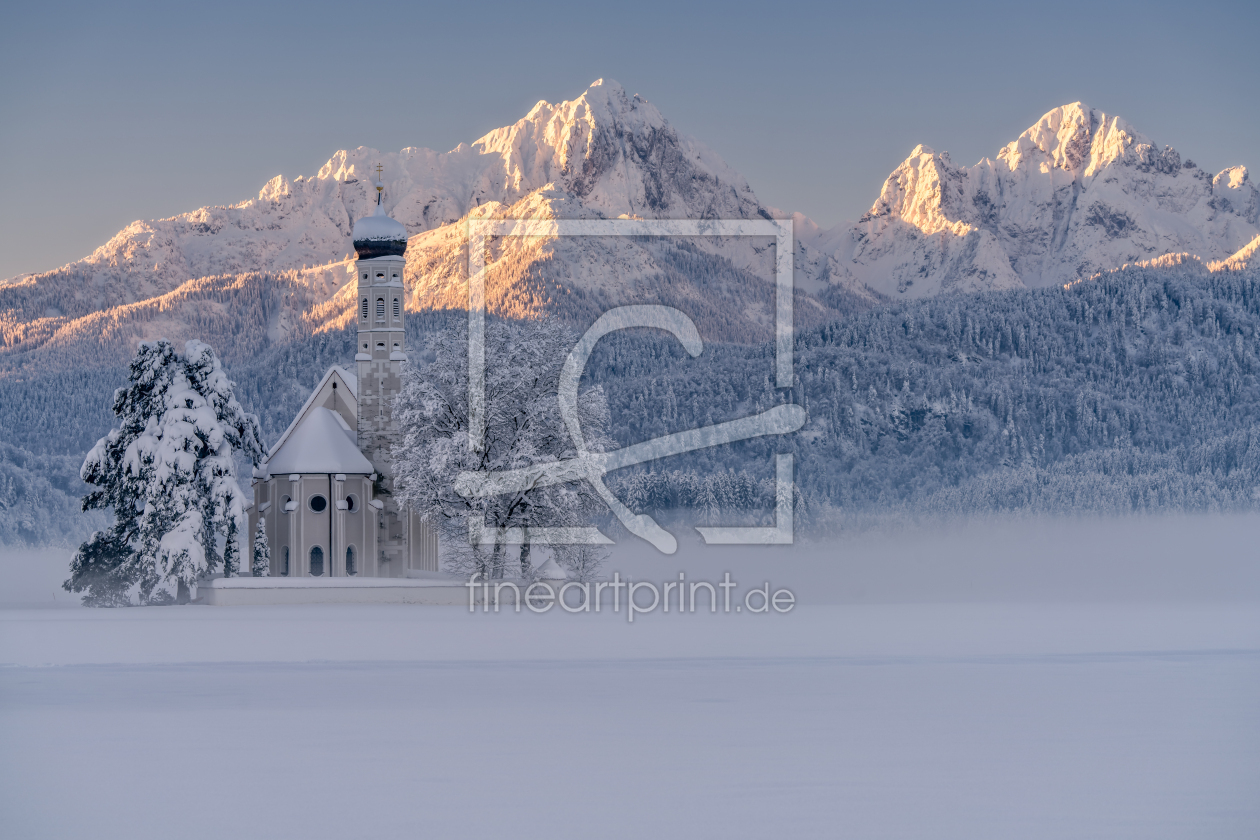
<point>262,550</point>
<point>523,427</point>
<point>168,474</point>
<point>232,549</point>
<point>100,570</point>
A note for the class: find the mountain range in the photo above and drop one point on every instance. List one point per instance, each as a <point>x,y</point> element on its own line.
<point>1078,193</point>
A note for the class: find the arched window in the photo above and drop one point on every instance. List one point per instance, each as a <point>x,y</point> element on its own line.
<point>284,503</point>
<point>396,307</point>
<point>284,562</point>
<point>352,503</point>
<point>318,503</point>
<point>380,309</point>
<point>350,569</point>
<point>363,308</point>
<point>317,561</point>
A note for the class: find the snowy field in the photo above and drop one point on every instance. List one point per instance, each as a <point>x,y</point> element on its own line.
<point>993,680</point>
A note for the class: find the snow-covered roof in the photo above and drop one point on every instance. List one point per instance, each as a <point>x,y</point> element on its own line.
<point>351,381</point>
<point>551,570</point>
<point>379,236</point>
<point>321,443</point>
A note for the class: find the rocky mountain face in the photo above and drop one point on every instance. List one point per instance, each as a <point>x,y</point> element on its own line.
<point>613,152</point>
<point>1078,193</point>
<point>605,154</point>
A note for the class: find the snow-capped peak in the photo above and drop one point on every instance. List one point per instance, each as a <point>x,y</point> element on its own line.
<point>1074,137</point>
<point>1079,192</point>
<point>276,189</point>
<point>619,154</point>
<point>613,152</point>
<point>602,102</point>
<point>1233,178</point>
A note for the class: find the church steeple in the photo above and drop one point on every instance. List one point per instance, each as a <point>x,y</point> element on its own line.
<point>378,235</point>
<point>380,244</point>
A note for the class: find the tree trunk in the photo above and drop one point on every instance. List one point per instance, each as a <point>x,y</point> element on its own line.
<point>479,562</point>
<point>496,561</point>
<point>182,594</point>
<point>525,562</point>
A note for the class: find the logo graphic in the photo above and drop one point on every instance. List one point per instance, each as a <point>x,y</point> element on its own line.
<point>592,467</point>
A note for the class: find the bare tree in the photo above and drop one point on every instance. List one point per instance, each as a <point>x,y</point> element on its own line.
<point>582,562</point>
<point>523,428</point>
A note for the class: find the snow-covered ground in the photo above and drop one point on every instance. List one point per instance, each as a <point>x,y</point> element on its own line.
<point>1036,679</point>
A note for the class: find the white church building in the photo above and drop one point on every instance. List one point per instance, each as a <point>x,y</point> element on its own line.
<point>324,489</point>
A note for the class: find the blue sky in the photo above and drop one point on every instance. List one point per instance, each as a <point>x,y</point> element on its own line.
<point>141,110</point>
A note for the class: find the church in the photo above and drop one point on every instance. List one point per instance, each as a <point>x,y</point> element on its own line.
<point>324,489</point>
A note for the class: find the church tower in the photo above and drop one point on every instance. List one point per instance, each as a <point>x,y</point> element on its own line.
<point>380,245</point>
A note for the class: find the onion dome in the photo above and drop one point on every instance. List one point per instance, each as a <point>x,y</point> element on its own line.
<point>378,235</point>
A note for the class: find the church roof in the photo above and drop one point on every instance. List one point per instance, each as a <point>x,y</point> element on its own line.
<point>351,381</point>
<point>320,443</point>
<point>346,373</point>
<point>378,235</point>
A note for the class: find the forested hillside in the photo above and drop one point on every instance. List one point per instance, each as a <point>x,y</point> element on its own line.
<point>1135,391</point>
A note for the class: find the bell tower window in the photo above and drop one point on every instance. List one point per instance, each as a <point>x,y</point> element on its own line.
<point>396,308</point>
<point>380,309</point>
<point>363,309</point>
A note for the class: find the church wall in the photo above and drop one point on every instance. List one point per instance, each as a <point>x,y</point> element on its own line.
<point>304,528</point>
<point>313,527</point>
<point>356,526</point>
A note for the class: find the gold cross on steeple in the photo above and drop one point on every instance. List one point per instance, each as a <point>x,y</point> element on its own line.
<point>379,169</point>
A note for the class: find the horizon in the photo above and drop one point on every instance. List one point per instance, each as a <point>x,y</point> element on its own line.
<point>251,107</point>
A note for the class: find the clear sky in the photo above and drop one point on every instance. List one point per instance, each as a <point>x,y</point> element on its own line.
<point>127,110</point>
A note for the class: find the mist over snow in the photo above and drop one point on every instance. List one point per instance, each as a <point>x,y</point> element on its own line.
<point>1098,676</point>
